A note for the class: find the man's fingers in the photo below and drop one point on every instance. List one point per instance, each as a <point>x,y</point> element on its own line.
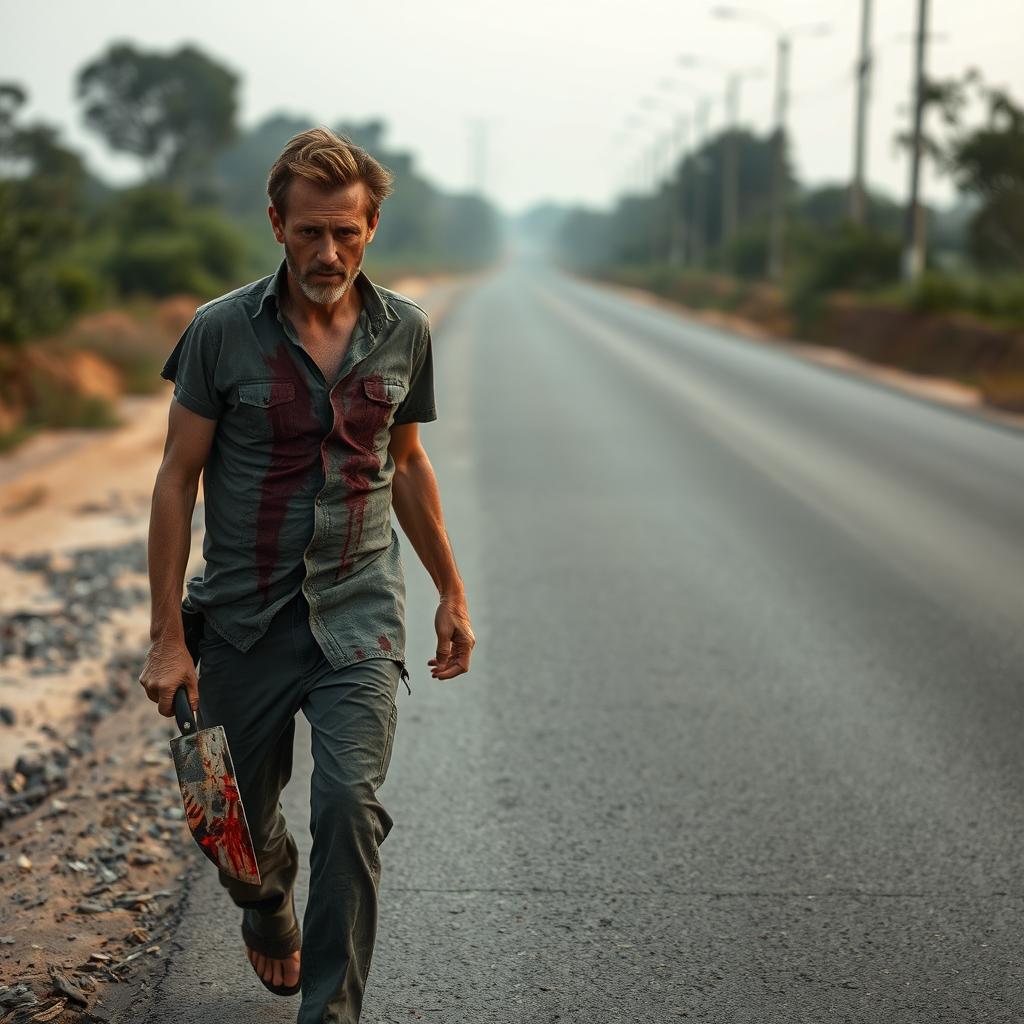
<point>166,703</point>
<point>192,689</point>
<point>457,661</point>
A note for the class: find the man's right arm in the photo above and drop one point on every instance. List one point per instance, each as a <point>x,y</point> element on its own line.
<point>168,663</point>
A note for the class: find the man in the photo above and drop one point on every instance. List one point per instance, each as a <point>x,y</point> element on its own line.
<point>298,398</point>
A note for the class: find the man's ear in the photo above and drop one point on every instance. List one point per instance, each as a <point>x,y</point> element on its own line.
<point>373,227</point>
<point>276,222</point>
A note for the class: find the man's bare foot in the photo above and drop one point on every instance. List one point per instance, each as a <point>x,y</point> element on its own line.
<point>284,973</point>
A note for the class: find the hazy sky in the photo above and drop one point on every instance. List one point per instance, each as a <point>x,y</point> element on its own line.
<point>554,81</point>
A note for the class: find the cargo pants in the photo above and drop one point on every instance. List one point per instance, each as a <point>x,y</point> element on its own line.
<point>352,715</point>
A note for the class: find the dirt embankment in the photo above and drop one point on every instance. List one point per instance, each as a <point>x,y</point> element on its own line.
<point>75,379</point>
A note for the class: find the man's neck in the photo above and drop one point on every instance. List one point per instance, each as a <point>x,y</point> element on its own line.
<point>300,309</point>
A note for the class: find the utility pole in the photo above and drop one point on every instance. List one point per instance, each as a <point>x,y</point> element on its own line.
<point>672,176</point>
<point>730,176</point>
<point>913,244</point>
<point>698,249</point>
<point>681,228</point>
<point>858,190</point>
<point>777,239</point>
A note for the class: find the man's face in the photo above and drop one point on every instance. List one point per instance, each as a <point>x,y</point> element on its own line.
<point>324,233</point>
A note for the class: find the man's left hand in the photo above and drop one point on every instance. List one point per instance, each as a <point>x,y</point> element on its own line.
<point>455,640</point>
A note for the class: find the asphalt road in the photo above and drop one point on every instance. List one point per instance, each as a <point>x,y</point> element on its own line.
<point>742,736</point>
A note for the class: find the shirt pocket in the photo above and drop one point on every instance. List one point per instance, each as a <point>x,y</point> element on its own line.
<point>265,394</point>
<point>264,412</point>
<point>385,390</point>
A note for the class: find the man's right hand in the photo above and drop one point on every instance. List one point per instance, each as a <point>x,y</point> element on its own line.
<point>169,666</point>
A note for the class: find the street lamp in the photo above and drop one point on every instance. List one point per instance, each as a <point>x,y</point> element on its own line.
<point>696,238</point>
<point>730,177</point>
<point>783,43</point>
<point>661,158</point>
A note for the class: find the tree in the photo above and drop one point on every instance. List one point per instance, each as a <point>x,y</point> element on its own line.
<point>174,111</point>
<point>986,162</point>
<point>41,207</point>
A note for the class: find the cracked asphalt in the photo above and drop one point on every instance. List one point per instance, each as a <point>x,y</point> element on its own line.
<point>742,737</point>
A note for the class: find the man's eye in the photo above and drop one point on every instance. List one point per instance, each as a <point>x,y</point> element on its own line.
<point>309,231</point>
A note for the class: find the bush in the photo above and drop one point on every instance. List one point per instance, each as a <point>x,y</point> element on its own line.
<point>999,298</point>
<point>746,255</point>
<point>853,259</point>
<point>158,247</point>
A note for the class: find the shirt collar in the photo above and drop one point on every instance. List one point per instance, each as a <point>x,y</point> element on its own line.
<point>375,305</point>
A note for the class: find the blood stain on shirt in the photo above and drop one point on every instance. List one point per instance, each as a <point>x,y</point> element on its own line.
<point>293,456</point>
<point>358,420</point>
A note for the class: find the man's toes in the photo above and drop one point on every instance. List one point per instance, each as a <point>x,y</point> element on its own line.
<point>278,972</point>
<point>291,970</point>
<point>264,967</point>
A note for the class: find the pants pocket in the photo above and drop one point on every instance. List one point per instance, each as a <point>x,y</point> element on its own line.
<point>385,758</point>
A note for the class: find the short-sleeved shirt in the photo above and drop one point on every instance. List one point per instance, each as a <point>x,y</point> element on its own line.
<point>297,485</point>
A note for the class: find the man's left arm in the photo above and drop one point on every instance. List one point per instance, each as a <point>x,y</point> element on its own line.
<point>417,503</point>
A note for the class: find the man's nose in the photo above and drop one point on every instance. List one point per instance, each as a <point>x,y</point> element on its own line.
<point>327,252</point>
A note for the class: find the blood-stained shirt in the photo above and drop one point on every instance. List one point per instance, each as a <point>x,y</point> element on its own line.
<point>297,485</point>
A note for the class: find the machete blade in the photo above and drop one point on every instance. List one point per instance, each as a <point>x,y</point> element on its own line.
<point>213,808</point>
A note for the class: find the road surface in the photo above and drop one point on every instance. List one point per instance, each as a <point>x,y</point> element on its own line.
<point>742,739</point>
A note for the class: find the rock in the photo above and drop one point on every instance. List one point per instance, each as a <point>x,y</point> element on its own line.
<point>14,996</point>
<point>51,1012</point>
<point>66,987</point>
<point>90,907</point>
<point>24,864</point>
<point>7,715</point>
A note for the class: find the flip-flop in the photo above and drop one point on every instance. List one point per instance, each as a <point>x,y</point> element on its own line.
<point>276,949</point>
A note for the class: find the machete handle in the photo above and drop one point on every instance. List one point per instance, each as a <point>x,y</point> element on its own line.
<point>183,713</point>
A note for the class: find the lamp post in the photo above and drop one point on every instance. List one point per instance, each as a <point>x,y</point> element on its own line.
<point>661,146</point>
<point>730,154</point>
<point>913,245</point>
<point>680,244</point>
<point>783,44</point>
<point>858,193</point>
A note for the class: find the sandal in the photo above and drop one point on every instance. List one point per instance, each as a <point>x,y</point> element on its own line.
<point>276,949</point>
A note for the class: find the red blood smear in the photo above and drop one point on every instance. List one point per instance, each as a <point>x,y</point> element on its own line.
<point>295,452</point>
<point>228,835</point>
<point>385,643</point>
<point>357,420</point>
<point>360,653</point>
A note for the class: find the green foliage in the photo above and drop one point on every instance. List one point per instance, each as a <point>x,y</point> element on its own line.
<point>41,204</point>
<point>829,205</point>
<point>746,255</point>
<point>159,246</point>
<point>998,298</point>
<point>174,111</point>
<point>683,222</point>
<point>851,259</point>
<point>987,163</point>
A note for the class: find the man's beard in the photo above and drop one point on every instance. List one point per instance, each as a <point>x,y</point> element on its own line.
<point>321,294</point>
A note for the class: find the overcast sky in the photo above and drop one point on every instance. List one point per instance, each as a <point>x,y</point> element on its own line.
<point>553,81</point>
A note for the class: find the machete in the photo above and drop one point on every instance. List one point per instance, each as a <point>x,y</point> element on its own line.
<point>206,778</point>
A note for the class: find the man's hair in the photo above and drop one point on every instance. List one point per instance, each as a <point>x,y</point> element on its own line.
<point>330,161</point>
